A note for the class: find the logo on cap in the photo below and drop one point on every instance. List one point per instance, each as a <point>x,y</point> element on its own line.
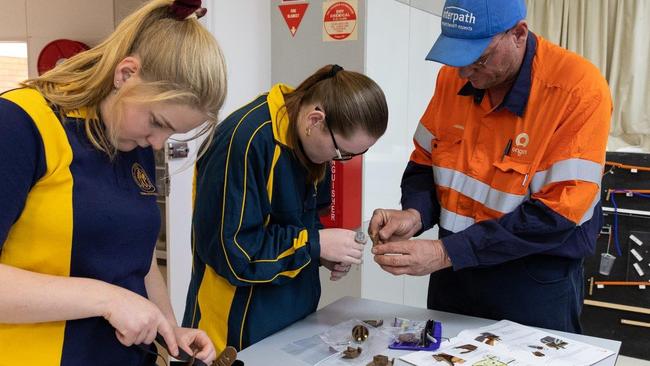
<point>458,18</point>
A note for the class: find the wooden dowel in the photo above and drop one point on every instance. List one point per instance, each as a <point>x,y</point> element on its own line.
<point>626,166</point>
<point>635,323</point>
<point>622,283</point>
<point>610,305</point>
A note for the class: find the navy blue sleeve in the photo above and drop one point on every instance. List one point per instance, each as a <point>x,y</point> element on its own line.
<point>531,228</point>
<point>419,193</point>
<point>250,247</point>
<point>22,163</point>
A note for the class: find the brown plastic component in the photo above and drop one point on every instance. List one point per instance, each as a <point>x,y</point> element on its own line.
<point>352,352</point>
<point>359,333</point>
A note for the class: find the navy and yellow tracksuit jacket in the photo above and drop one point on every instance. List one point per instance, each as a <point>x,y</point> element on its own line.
<point>255,229</point>
<point>67,210</point>
<point>515,188</point>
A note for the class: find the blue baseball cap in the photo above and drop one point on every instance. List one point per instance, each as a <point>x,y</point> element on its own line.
<point>468,26</point>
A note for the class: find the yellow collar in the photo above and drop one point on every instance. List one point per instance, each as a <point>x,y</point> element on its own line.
<point>280,121</point>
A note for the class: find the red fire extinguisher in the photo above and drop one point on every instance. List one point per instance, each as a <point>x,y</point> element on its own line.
<point>56,52</point>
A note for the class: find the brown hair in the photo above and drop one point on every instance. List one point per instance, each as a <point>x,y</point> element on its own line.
<point>352,101</point>
<point>181,63</point>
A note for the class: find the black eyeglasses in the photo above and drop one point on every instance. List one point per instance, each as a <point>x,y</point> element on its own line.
<point>339,155</point>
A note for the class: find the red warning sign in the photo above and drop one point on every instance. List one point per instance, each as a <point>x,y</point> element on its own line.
<point>340,20</point>
<point>293,14</point>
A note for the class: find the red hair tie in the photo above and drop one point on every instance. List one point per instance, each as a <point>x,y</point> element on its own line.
<point>181,9</point>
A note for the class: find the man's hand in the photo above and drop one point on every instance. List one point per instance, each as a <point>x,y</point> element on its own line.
<point>393,225</point>
<point>412,257</point>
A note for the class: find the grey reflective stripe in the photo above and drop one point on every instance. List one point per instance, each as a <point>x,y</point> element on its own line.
<point>454,222</point>
<point>570,169</point>
<point>423,137</point>
<point>478,191</point>
<point>590,212</point>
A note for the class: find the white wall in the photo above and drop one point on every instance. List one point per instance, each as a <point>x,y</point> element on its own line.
<point>242,28</point>
<point>13,20</point>
<point>39,22</point>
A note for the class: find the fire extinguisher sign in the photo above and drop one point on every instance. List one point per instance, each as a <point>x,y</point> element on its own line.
<point>333,203</point>
<point>345,195</point>
<point>340,20</point>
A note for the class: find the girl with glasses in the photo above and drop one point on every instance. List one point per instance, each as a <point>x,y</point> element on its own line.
<point>257,239</point>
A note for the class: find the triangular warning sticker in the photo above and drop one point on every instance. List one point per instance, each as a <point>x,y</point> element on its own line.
<point>293,14</point>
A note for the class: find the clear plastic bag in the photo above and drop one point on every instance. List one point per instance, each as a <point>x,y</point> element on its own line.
<point>339,338</point>
<point>402,329</point>
<point>310,350</point>
<point>326,349</point>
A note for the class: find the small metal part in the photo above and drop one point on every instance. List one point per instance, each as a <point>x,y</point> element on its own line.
<point>380,360</point>
<point>227,357</point>
<point>374,237</point>
<point>177,150</point>
<point>360,237</point>
<point>375,323</point>
<point>636,240</point>
<point>352,352</point>
<point>359,333</point>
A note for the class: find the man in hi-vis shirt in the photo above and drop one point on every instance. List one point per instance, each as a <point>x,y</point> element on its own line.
<point>508,162</point>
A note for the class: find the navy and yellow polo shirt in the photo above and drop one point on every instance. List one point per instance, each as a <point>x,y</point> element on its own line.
<point>255,229</point>
<point>67,210</point>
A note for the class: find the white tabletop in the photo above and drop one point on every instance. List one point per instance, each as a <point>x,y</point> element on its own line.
<point>268,352</point>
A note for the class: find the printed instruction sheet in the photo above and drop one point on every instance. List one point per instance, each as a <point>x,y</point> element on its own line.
<point>509,344</point>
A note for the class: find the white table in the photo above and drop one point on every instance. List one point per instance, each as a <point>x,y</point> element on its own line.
<point>268,352</point>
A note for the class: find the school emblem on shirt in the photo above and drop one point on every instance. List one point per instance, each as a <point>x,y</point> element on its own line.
<point>142,179</point>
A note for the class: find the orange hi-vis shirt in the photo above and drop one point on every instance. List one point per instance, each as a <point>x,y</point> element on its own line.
<point>529,166</point>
